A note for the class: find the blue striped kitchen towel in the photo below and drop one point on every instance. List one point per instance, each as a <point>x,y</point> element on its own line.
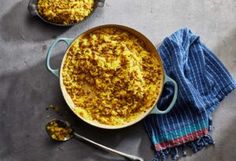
<point>203,82</point>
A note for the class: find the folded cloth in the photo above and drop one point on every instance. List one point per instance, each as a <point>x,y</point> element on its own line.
<point>203,82</point>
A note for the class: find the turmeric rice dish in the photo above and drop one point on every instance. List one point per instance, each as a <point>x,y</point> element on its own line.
<point>65,12</point>
<point>111,77</point>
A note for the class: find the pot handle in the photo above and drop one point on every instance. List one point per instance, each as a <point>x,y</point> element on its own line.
<point>100,3</point>
<point>50,69</point>
<point>156,110</point>
<point>32,7</point>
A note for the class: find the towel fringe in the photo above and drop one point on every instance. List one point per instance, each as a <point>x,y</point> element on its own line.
<point>179,151</point>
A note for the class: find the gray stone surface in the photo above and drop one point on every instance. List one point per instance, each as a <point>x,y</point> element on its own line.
<point>26,88</point>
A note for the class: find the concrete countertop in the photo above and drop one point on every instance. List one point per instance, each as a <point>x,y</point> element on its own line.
<point>27,89</point>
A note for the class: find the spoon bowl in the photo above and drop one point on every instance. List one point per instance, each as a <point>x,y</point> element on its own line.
<point>59,130</point>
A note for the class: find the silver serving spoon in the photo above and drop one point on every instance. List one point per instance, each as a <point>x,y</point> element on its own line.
<point>61,130</point>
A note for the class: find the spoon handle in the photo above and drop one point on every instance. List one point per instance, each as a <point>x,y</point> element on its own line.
<point>128,156</point>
